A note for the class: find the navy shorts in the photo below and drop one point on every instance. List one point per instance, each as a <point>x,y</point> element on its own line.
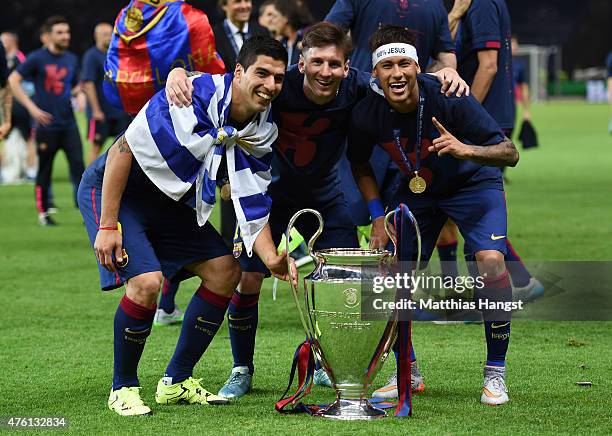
<point>323,194</point>
<point>480,215</point>
<point>159,234</point>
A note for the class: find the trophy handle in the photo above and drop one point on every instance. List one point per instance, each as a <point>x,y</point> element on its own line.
<point>389,234</point>
<point>314,237</point>
<point>309,332</point>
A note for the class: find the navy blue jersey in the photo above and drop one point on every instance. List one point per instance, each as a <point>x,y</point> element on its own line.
<point>311,137</point>
<point>609,65</point>
<point>53,77</point>
<point>374,121</point>
<point>426,18</point>
<point>93,70</point>
<point>486,26</point>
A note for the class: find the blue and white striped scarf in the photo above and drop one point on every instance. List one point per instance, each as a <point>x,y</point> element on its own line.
<point>177,147</point>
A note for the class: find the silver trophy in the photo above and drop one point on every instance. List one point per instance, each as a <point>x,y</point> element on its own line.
<point>350,344</point>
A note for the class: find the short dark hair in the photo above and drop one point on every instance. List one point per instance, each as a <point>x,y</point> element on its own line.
<point>52,21</point>
<point>298,15</point>
<point>260,45</point>
<point>390,33</point>
<point>325,33</point>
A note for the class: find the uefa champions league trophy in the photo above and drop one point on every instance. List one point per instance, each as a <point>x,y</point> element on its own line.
<point>350,344</point>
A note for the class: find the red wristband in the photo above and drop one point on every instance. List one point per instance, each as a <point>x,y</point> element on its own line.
<point>108,228</point>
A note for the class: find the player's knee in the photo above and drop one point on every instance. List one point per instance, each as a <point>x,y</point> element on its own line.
<point>490,263</point>
<point>144,288</point>
<point>250,282</point>
<point>222,274</point>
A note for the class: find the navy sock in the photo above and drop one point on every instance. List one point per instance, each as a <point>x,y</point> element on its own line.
<point>396,352</point>
<point>132,327</point>
<point>242,317</point>
<point>496,322</point>
<point>448,259</point>
<point>166,301</point>
<point>203,317</point>
<point>516,267</point>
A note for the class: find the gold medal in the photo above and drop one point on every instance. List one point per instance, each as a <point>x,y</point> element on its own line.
<point>417,184</point>
<point>226,192</point>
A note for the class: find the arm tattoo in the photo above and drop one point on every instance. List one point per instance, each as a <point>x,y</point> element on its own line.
<point>6,100</point>
<point>499,155</point>
<point>122,145</point>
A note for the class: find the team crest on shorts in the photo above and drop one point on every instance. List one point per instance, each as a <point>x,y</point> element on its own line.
<point>237,251</point>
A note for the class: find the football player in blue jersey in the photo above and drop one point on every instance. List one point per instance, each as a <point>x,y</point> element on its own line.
<point>313,113</point>
<point>484,59</point>
<point>447,150</point>
<point>55,73</point>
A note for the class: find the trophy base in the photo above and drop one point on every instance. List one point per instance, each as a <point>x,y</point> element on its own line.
<point>351,410</point>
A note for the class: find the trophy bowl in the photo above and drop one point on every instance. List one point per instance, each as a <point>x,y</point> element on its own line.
<point>349,340</point>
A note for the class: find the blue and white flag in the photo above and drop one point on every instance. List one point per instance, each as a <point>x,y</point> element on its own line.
<point>177,147</point>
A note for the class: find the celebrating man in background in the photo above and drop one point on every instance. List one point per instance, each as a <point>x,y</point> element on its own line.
<point>54,71</point>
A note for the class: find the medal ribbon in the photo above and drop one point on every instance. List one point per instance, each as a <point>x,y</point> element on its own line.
<point>419,138</point>
<point>404,336</point>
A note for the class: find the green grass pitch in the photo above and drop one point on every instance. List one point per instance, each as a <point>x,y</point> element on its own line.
<point>56,326</point>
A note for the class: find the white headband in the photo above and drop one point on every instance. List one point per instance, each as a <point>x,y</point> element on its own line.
<point>395,49</point>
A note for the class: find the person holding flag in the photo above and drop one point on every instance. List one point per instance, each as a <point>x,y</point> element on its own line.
<point>149,39</point>
<point>138,202</point>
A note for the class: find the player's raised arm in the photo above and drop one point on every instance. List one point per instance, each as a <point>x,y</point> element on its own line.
<point>179,88</point>
<point>501,154</point>
<point>109,240</point>
<point>451,82</point>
